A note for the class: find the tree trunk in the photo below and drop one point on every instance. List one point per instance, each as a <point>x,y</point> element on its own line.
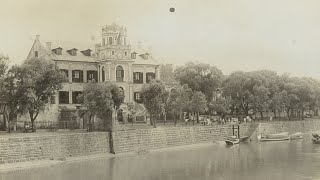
<point>175,120</point>
<point>198,118</point>
<point>302,114</point>
<point>155,122</point>
<point>165,118</point>
<point>288,114</point>
<point>275,114</point>
<point>261,115</point>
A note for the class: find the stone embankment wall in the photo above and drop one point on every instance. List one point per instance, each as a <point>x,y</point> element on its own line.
<point>287,126</point>
<point>29,147</point>
<point>32,147</point>
<point>149,139</point>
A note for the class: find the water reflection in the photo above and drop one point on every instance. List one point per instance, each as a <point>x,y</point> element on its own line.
<point>289,160</point>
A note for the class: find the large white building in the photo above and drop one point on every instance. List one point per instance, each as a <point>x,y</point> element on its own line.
<point>111,60</point>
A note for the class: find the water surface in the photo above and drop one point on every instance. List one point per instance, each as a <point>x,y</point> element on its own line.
<point>288,160</point>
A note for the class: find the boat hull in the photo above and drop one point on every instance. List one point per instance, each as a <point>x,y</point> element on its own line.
<point>231,142</point>
<point>275,139</point>
<point>316,140</point>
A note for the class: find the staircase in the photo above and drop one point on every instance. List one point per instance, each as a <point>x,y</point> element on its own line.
<point>252,128</point>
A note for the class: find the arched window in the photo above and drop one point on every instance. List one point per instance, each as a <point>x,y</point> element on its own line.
<point>119,74</point>
<point>110,40</point>
<point>103,41</point>
<point>103,74</point>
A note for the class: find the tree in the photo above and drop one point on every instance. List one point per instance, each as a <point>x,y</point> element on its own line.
<point>101,99</point>
<point>153,97</point>
<point>12,94</point>
<point>221,105</point>
<point>200,77</point>
<point>40,79</point>
<point>238,86</point>
<point>172,105</point>
<point>198,103</point>
<point>261,99</point>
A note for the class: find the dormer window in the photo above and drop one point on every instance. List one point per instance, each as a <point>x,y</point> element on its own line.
<point>86,52</point>
<point>57,51</point>
<point>125,53</point>
<point>146,56</point>
<point>133,55</point>
<point>73,52</point>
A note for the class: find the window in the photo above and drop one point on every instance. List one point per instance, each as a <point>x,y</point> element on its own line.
<point>112,52</point>
<point>36,54</point>
<point>66,74</point>
<point>75,97</point>
<point>110,40</point>
<point>146,56</point>
<point>77,76</point>
<point>63,97</point>
<point>53,99</point>
<point>92,75</point>
<point>119,74</point>
<point>103,74</point>
<point>57,51</point>
<point>103,41</point>
<point>133,55</point>
<point>136,97</point>
<point>125,53</point>
<point>150,76</point>
<point>72,52</point>
<point>138,77</point>
<point>125,41</point>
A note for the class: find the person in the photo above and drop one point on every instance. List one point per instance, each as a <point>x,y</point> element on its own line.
<point>271,118</point>
<point>244,120</point>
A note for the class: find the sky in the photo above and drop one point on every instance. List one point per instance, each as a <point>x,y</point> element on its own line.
<point>280,35</point>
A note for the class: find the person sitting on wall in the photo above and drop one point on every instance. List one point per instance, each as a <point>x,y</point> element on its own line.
<point>27,128</point>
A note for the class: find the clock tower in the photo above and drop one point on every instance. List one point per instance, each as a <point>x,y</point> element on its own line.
<point>114,44</point>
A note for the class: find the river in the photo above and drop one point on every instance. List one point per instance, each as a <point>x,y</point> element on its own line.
<point>287,160</point>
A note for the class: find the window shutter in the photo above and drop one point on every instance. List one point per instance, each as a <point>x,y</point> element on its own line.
<point>95,76</point>
<point>141,78</point>
<point>81,76</point>
<point>73,75</point>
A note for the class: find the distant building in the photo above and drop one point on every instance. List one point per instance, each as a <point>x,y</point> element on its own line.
<point>112,60</point>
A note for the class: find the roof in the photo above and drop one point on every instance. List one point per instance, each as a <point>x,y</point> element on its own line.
<point>139,60</point>
<point>67,45</point>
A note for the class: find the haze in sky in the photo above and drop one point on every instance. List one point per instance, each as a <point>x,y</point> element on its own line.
<point>281,35</point>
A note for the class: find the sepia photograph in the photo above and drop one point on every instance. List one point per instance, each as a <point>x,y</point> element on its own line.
<point>160,90</point>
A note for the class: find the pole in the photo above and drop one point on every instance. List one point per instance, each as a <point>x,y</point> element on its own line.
<point>238,131</point>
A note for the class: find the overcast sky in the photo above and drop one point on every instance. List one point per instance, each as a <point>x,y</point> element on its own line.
<point>281,35</point>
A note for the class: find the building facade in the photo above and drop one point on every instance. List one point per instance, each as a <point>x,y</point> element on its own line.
<point>114,60</point>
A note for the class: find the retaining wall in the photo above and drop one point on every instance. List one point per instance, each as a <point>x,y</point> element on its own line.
<point>19,149</point>
<point>150,139</point>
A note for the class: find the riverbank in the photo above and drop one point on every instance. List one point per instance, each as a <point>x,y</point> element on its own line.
<point>11,167</point>
<point>26,149</point>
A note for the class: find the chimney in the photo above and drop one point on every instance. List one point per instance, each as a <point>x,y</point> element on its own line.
<point>49,46</point>
<point>37,37</point>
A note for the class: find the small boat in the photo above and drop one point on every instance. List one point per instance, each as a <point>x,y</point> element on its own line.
<point>232,141</point>
<point>275,137</point>
<point>298,135</point>
<point>315,138</point>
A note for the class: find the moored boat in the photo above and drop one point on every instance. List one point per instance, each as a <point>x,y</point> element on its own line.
<point>275,137</point>
<point>315,138</point>
<point>297,135</point>
<point>232,141</point>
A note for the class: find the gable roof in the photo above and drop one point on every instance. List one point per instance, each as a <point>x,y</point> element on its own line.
<point>66,46</point>
<point>139,60</point>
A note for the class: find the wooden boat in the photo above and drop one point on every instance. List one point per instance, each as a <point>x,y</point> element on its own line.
<point>298,135</point>
<point>275,137</point>
<point>232,141</point>
<point>315,138</point>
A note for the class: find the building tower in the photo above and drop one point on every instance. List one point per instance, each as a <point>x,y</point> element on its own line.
<point>114,43</point>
